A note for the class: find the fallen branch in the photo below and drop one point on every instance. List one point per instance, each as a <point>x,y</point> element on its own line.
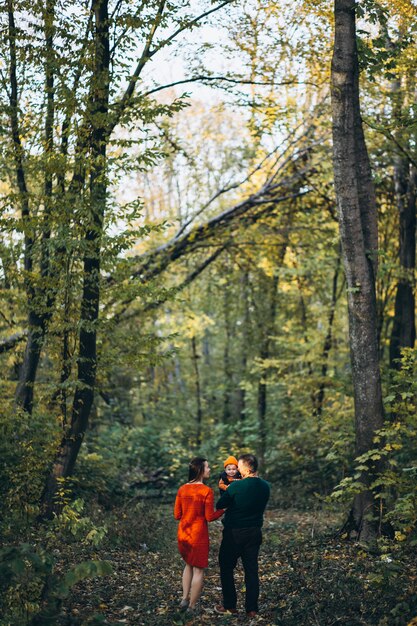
<point>12,341</point>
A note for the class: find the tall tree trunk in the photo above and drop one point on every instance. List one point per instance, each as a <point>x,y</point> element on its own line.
<point>304,321</point>
<point>39,299</point>
<point>65,357</point>
<point>241,398</point>
<point>358,231</point>
<point>199,413</point>
<point>228,374</point>
<point>267,329</point>
<point>264,354</point>
<point>27,372</point>
<point>318,396</point>
<point>24,390</point>
<point>403,334</point>
<point>87,355</point>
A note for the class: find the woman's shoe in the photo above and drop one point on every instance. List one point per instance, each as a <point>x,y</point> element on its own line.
<point>184,605</point>
<point>193,611</point>
<point>190,612</point>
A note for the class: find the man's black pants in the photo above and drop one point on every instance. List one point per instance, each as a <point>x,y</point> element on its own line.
<point>243,543</point>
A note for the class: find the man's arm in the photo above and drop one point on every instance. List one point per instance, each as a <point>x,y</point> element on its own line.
<point>225,500</point>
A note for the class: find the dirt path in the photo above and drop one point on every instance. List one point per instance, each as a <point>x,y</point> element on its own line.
<point>306,578</point>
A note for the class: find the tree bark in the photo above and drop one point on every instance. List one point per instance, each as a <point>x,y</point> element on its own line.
<point>241,398</point>
<point>267,329</point>
<point>264,354</point>
<point>318,396</point>
<point>403,334</point>
<point>27,374</point>
<point>39,299</point>
<point>87,356</point>
<point>199,413</point>
<point>358,231</point>
<point>227,365</point>
<point>24,393</point>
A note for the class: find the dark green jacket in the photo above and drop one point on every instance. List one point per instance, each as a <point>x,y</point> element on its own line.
<point>245,501</point>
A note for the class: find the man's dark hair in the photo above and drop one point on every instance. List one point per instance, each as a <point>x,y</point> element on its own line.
<point>250,460</point>
<point>196,468</point>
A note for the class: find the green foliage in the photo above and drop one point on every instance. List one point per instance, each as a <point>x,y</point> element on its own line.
<point>118,460</point>
<point>324,580</point>
<point>31,590</point>
<point>392,460</point>
<point>32,585</point>
<point>88,569</point>
<point>71,526</point>
<point>311,457</point>
<point>26,445</point>
<point>399,479</point>
<point>23,572</point>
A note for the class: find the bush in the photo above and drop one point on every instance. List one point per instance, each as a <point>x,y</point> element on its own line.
<point>31,590</point>
<point>118,460</point>
<point>27,444</point>
<point>395,452</point>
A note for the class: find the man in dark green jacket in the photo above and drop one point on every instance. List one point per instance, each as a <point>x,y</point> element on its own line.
<point>245,501</point>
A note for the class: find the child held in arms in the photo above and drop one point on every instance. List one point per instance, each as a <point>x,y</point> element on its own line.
<point>230,474</point>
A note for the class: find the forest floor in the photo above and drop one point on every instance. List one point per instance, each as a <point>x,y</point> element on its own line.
<point>308,577</point>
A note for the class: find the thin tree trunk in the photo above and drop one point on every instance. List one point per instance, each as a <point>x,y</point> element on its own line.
<point>267,331</point>
<point>318,397</point>
<point>199,414</point>
<point>24,390</point>
<point>244,348</point>
<point>264,354</point>
<point>66,359</point>
<point>27,373</point>
<point>304,321</point>
<point>60,395</point>
<point>403,331</point>
<point>39,299</point>
<point>403,334</point>
<point>87,356</point>
<point>228,374</point>
<point>358,231</point>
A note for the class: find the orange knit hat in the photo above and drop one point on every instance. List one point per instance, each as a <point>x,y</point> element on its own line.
<point>231,460</point>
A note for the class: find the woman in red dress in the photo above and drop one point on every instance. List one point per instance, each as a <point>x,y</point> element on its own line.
<point>194,507</point>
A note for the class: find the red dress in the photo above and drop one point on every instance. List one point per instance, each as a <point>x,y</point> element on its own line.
<point>194,507</point>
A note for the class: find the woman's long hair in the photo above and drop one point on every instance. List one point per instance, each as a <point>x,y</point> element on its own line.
<point>196,469</point>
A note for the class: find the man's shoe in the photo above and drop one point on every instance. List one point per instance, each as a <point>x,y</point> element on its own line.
<point>251,614</point>
<point>219,608</point>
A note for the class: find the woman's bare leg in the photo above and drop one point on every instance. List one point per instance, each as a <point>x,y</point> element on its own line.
<point>196,586</point>
<point>187,577</point>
